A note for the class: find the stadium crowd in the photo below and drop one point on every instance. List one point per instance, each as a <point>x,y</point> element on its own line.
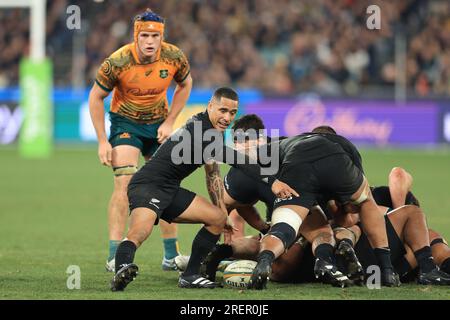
<point>282,47</point>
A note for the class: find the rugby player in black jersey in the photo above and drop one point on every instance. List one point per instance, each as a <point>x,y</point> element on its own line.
<point>407,231</point>
<point>315,164</point>
<point>154,191</point>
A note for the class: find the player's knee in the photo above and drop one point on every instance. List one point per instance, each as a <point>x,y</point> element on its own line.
<point>284,232</point>
<point>217,219</point>
<point>399,174</point>
<point>285,225</point>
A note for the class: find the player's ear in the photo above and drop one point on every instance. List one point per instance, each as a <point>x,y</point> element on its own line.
<point>209,107</point>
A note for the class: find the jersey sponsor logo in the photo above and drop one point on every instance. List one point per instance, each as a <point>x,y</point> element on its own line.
<point>125,135</point>
<point>163,73</point>
<point>144,92</point>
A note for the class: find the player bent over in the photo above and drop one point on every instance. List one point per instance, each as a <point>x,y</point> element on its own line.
<point>155,193</point>
<point>316,164</point>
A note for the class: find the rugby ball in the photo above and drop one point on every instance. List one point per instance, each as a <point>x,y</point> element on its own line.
<point>238,274</point>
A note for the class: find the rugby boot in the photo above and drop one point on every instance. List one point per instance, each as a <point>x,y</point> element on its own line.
<point>329,273</point>
<point>389,278</point>
<point>124,276</point>
<point>195,281</point>
<point>353,267</point>
<point>436,276</point>
<point>260,275</point>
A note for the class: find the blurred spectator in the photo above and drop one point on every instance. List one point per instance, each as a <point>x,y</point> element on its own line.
<point>282,47</point>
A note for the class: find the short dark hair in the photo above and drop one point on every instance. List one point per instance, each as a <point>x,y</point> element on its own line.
<point>249,121</point>
<point>226,92</point>
<point>149,15</point>
<point>247,128</point>
<point>324,129</point>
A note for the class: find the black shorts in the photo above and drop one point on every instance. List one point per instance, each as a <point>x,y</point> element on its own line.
<point>246,190</point>
<point>167,200</point>
<point>367,257</point>
<point>335,175</point>
<point>382,196</point>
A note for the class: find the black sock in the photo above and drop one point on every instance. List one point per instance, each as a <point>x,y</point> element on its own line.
<point>383,256</point>
<point>203,243</point>
<point>223,251</point>
<point>350,242</point>
<point>445,266</point>
<point>325,251</point>
<point>425,259</point>
<point>125,253</point>
<point>266,254</point>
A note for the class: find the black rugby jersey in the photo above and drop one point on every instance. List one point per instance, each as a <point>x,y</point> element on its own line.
<point>184,151</point>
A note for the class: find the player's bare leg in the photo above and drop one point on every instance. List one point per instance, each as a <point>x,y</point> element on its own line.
<point>142,221</point>
<point>400,183</point>
<point>372,221</point>
<point>239,224</point>
<point>286,221</point>
<point>124,163</point>
<point>214,220</point>
<point>410,225</point>
<point>169,235</point>
<point>440,250</point>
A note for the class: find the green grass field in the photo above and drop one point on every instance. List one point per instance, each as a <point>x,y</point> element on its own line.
<point>53,214</point>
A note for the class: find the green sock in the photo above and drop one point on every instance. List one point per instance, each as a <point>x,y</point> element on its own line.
<point>171,248</point>
<point>113,244</point>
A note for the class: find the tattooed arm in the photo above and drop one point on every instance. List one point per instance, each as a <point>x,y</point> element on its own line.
<point>216,191</point>
<point>214,184</point>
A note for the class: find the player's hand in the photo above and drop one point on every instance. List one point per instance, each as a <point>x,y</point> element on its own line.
<point>164,131</point>
<point>282,190</point>
<point>105,153</point>
<point>228,231</point>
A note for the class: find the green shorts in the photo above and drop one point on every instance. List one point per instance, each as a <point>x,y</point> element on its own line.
<point>127,132</point>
